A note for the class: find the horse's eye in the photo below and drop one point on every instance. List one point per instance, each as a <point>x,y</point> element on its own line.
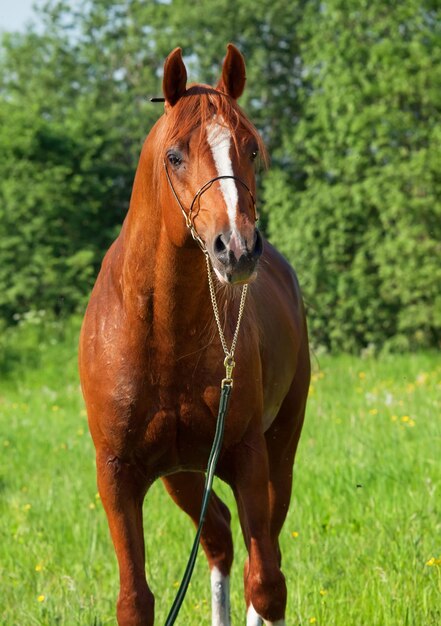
<point>174,158</point>
<point>254,155</point>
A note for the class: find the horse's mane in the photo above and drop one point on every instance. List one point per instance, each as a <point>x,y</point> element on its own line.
<point>197,108</point>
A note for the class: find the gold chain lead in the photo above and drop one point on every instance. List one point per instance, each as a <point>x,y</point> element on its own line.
<point>229,354</point>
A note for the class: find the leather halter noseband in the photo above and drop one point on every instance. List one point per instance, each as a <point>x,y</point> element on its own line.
<point>189,219</point>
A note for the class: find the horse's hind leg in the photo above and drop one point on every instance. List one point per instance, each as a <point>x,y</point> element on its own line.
<point>122,491</point>
<point>186,489</point>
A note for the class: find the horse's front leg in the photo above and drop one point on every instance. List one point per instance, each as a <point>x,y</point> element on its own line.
<point>187,490</point>
<point>265,588</point>
<point>122,491</point>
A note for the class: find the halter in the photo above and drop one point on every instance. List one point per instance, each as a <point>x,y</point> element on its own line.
<point>189,219</point>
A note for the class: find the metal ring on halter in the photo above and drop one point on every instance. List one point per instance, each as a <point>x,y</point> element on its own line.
<point>189,216</point>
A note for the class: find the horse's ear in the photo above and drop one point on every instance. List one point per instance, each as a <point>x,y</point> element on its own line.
<point>174,82</point>
<point>233,76</point>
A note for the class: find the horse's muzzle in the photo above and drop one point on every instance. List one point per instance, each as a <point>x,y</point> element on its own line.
<point>234,257</point>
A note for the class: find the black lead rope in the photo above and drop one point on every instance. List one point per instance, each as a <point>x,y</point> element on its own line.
<point>224,402</point>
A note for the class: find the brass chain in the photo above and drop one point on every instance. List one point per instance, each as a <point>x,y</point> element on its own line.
<point>229,353</point>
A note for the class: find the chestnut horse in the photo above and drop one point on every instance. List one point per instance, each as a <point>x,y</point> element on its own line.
<point>151,358</point>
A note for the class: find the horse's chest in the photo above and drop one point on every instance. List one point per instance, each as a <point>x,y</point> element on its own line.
<point>184,422</point>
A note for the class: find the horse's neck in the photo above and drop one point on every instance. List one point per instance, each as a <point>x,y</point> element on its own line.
<point>180,288</point>
<point>163,285</point>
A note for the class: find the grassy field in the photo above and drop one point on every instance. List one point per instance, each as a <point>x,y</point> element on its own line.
<point>362,543</point>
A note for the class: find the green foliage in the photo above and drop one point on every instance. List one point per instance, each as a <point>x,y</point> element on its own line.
<point>345,93</point>
<point>357,207</point>
<point>70,131</point>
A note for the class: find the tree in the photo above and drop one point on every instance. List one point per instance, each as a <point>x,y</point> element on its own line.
<point>71,127</point>
<point>357,205</point>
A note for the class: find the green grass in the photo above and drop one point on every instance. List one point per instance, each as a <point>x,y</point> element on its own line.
<point>365,519</point>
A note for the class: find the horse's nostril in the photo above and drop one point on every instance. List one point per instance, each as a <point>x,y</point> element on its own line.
<point>219,245</point>
<point>258,244</point>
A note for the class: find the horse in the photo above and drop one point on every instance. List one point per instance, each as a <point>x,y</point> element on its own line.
<point>151,356</point>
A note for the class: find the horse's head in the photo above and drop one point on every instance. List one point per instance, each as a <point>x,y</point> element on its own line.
<point>208,150</point>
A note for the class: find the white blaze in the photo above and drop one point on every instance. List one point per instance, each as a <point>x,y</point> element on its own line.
<point>219,140</point>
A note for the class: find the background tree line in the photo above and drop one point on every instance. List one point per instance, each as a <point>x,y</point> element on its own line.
<point>346,93</point>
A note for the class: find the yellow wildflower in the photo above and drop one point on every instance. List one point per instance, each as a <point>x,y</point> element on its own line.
<point>41,598</point>
<point>422,379</point>
<point>294,534</point>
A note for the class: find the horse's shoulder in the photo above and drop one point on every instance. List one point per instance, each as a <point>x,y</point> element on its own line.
<point>279,275</point>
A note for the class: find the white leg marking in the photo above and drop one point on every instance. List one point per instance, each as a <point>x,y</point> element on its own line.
<point>219,140</point>
<point>220,598</point>
<point>253,619</point>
